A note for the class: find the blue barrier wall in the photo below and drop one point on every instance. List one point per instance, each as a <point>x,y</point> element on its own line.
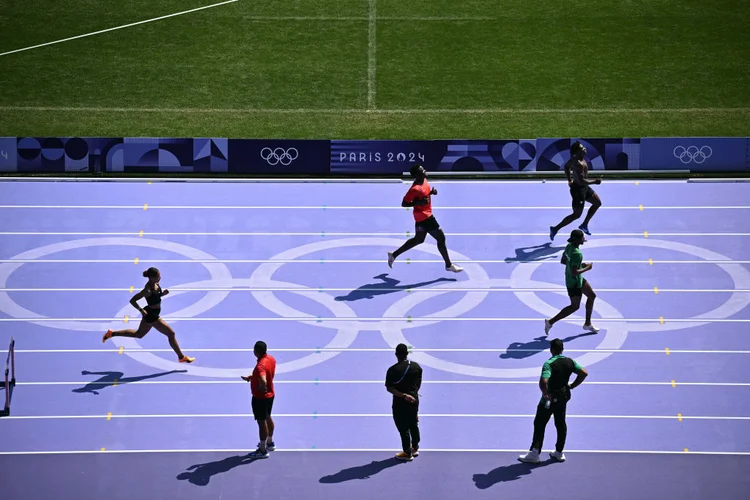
<point>323,157</point>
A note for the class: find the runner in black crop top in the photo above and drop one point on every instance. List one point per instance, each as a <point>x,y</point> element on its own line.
<point>153,293</point>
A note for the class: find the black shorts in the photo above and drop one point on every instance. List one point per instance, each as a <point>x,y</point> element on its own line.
<point>262,407</point>
<point>151,315</point>
<point>428,225</point>
<point>576,291</point>
<point>580,194</point>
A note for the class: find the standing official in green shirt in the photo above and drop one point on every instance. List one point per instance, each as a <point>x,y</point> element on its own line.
<point>577,286</point>
<point>556,374</point>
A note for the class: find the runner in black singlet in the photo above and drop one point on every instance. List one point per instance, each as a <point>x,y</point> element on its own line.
<point>577,171</point>
<point>153,293</point>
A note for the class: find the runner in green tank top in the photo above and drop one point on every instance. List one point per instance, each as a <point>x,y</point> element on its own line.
<point>575,282</point>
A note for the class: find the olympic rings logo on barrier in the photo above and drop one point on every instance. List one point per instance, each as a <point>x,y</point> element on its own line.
<point>279,155</point>
<point>392,331</point>
<point>693,154</point>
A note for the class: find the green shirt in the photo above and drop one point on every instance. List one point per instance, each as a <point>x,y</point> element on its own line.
<point>574,261</point>
<point>557,370</point>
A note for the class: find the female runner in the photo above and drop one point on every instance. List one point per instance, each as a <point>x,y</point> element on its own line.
<point>153,293</point>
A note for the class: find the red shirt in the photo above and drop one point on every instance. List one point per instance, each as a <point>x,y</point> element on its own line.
<point>265,366</point>
<point>418,191</point>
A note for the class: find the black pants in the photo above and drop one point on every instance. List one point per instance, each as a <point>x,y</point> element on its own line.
<point>406,418</point>
<point>540,423</point>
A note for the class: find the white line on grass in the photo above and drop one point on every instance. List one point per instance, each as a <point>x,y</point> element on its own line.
<point>406,111</point>
<point>370,17</point>
<point>116,28</point>
<point>371,55</point>
<point>363,415</point>
<point>376,450</point>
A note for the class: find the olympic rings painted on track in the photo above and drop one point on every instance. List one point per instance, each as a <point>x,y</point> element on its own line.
<point>616,332</point>
<point>218,271</point>
<point>736,302</point>
<point>393,334</point>
<point>262,277</point>
<point>345,336</point>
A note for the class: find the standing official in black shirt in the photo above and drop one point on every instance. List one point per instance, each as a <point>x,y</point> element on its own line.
<point>403,380</point>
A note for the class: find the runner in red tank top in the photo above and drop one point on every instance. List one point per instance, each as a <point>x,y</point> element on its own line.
<point>261,386</point>
<point>419,197</point>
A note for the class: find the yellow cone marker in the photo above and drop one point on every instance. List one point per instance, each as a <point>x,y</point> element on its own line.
<point>109,416</point>
<point>640,207</point>
<point>674,384</point>
<point>645,234</point>
<point>679,417</point>
<point>131,289</point>
<point>141,233</point>
<point>136,260</point>
<point>661,320</point>
<point>656,290</point>
<point>104,449</point>
<point>145,206</point>
<point>667,349</point>
<point>127,318</point>
<point>114,384</point>
<point>121,349</point>
<point>650,262</point>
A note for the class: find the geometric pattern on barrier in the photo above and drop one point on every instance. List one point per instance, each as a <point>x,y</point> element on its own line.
<point>602,154</point>
<point>343,157</point>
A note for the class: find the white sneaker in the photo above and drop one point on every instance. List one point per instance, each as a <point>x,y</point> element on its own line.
<point>560,457</point>
<point>454,268</point>
<point>591,328</point>
<point>531,457</point>
<point>547,326</point>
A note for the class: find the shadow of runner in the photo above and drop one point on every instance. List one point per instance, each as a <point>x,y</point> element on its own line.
<point>521,350</point>
<point>388,285</point>
<point>538,252</point>
<point>109,379</point>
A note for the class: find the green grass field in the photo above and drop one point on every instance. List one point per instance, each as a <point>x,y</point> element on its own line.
<point>377,69</point>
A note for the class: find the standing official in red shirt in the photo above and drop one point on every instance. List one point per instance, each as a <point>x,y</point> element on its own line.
<point>261,386</point>
<point>418,197</point>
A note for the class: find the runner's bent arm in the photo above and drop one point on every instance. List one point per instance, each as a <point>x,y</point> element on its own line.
<point>576,264</point>
<point>136,298</point>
